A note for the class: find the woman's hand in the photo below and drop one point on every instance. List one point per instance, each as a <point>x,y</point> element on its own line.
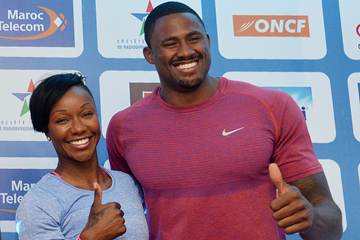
<point>106,221</point>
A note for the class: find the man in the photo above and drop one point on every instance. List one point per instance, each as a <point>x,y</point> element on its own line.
<point>204,148</point>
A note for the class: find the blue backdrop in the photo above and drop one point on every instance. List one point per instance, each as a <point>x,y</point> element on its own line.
<point>343,149</point>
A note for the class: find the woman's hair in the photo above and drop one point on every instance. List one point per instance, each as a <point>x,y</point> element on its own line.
<point>47,93</point>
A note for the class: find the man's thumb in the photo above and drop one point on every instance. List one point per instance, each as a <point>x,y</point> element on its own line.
<point>97,194</point>
<point>276,178</point>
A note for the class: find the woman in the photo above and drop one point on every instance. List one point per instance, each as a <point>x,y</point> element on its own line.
<point>62,205</point>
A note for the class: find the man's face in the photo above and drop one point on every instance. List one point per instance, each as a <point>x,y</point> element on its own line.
<point>180,50</point>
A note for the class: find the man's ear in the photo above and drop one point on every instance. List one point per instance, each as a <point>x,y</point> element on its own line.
<point>148,55</point>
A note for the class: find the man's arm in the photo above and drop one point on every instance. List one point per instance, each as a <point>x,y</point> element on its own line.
<point>306,206</point>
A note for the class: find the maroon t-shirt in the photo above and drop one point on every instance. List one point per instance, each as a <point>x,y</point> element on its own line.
<point>204,168</point>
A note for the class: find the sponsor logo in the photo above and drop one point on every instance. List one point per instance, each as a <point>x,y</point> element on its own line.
<point>271,26</point>
<point>142,16</point>
<point>354,94</point>
<point>358,30</point>
<point>17,176</point>
<point>136,43</point>
<point>145,93</point>
<point>17,120</point>
<point>29,25</point>
<point>224,133</point>
<point>22,97</point>
<point>126,23</point>
<point>135,86</point>
<point>141,90</point>
<point>55,23</point>
<point>15,184</point>
<point>302,96</point>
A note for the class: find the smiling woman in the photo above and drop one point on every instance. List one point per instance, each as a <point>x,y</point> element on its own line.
<point>74,127</point>
<point>58,206</point>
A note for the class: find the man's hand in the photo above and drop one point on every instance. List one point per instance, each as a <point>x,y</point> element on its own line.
<point>105,221</point>
<point>292,210</point>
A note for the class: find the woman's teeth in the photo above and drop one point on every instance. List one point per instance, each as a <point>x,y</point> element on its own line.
<point>80,142</point>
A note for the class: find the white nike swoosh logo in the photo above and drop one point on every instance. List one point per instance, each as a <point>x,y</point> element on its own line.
<point>224,133</point>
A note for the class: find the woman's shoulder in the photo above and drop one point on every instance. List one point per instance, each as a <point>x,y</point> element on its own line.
<point>51,189</point>
<point>44,185</point>
<point>40,196</point>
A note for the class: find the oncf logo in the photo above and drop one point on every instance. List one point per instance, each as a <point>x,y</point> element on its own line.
<point>271,26</point>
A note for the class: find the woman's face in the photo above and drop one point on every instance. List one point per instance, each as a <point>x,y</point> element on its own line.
<point>74,126</point>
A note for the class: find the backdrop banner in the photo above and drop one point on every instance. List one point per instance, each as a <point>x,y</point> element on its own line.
<point>307,48</point>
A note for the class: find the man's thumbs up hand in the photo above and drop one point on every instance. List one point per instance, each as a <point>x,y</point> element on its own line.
<point>276,178</point>
<point>291,209</point>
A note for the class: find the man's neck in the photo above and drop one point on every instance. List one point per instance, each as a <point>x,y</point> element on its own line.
<point>183,99</point>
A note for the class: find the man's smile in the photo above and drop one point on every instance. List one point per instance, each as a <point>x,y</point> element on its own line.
<point>186,65</point>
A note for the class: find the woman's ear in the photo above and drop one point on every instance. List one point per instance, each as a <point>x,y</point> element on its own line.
<point>148,55</point>
<point>47,137</point>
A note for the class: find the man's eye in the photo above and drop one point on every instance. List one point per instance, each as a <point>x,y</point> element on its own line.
<point>169,44</point>
<point>195,39</point>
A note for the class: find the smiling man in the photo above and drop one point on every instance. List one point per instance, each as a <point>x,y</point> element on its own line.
<point>204,148</point>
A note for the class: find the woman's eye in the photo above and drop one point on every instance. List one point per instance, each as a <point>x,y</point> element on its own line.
<point>61,120</point>
<point>88,114</point>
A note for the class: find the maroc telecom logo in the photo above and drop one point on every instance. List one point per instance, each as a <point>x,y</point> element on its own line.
<point>271,26</point>
<point>22,97</point>
<point>56,22</point>
<point>142,16</point>
<point>5,210</point>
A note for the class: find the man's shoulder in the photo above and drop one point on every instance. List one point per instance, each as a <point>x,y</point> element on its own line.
<point>140,105</point>
<point>271,97</point>
<point>241,87</point>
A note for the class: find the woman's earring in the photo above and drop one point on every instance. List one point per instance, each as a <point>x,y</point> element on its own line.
<point>48,138</point>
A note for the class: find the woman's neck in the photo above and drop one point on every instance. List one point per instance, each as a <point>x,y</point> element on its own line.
<point>83,176</point>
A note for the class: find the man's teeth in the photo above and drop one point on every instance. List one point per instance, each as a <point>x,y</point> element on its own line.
<point>187,65</point>
<point>80,142</point>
